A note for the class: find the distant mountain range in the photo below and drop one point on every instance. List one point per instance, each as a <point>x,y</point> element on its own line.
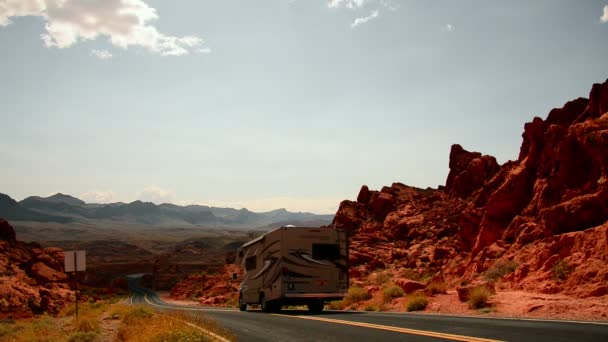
<point>62,208</point>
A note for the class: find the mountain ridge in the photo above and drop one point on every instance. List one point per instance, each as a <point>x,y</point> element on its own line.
<point>64,208</point>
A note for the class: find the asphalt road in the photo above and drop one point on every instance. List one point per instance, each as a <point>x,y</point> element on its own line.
<point>366,326</point>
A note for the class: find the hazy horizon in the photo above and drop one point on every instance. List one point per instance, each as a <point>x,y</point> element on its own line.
<point>291,104</point>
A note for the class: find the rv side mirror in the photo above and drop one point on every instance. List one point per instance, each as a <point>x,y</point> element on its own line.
<point>233,276</point>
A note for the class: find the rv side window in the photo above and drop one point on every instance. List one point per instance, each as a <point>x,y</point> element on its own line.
<point>250,263</point>
<point>325,251</point>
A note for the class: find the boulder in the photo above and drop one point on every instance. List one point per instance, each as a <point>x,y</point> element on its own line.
<point>7,233</point>
<point>408,285</point>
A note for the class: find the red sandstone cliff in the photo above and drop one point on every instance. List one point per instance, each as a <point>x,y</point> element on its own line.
<point>32,280</point>
<point>548,209</point>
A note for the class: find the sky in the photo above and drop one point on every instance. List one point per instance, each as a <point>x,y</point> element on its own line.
<point>279,103</point>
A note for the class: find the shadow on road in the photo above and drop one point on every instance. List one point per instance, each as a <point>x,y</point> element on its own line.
<point>306,313</point>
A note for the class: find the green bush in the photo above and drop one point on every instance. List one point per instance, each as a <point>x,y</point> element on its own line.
<point>357,294</point>
<point>417,303</point>
<point>478,297</point>
<point>500,269</point>
<point>561,270</point>
<point>391,292</point>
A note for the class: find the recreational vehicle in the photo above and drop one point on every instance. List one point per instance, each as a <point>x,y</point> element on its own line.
<point>294,266</point>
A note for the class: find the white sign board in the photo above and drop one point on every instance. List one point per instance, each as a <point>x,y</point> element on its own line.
<point>75,261</point>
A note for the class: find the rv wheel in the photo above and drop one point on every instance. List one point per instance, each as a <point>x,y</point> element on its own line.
<point>242,304</point>
<point>266,307</point>
<point>315,307</point>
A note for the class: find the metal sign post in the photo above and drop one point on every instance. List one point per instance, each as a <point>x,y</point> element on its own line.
<point>75,261</point>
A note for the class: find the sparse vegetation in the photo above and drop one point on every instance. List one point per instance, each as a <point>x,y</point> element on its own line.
<point>417,303</point>
<point>382,278</point>
<point>561,270</point>
<point>500,269</point>
<point>437,287</point>
<point>142,324</point>
<point>80,336</point>
<point>138,324</point>
<point>371,307</point>
<point>357,294</point>
<point>337,305</point>
<point>391,292</point>
<point>478,297</point>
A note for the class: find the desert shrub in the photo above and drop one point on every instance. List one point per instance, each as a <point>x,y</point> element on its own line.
<point>383,277</point>
<point>417,303</point>
<point>182,335</point>
<point>6,331</point>
<point>87,325</point>
<point>357,294</point>
<point>337,305</point>
<point>561,270</point>
<point>138,313</point>
<point>478,297</point>
<point>437,287</point>
<point>390,292</point>
<point>409,273</point>
<point>371,307</point>
<point>82,336</point>
<point>500,269</point>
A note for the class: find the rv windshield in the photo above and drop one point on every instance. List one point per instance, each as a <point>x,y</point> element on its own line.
<point>325,251</point>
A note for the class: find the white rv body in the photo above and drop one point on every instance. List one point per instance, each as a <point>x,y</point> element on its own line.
<point>294,266</point>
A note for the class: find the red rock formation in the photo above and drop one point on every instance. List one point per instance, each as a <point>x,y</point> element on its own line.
<point>32,280</point>
<point>215,289</point>
<point>547,208</point>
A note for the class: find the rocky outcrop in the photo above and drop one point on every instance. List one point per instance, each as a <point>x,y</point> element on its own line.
<point>469,171</point>
<point>549,207</point>
<point>32,280</point>
<point>215,289</point>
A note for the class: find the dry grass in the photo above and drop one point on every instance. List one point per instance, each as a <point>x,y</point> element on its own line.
<point>478,297</point>
<point>138,323</point>
<point>391,292</point>
<point>143,324</point>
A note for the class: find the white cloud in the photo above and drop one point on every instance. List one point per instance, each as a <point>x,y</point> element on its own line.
<point>363,20</point>
<point>101,54</point>
<point>604,17</point>
<point>449,28</point>
<point>124,22</point>
<point>98,196</point>
<point>204,50</point>
<point>156,195</point>
<point>352,4</point>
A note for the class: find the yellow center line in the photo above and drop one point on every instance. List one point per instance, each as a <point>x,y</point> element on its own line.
<point>396,329</point>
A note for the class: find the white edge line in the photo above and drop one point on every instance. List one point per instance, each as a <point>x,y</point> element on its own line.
<point>216,336</point>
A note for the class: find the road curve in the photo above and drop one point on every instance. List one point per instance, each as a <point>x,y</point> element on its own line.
<point>293,325</point>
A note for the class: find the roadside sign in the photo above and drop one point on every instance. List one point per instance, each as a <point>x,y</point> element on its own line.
<point>75,261</point>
